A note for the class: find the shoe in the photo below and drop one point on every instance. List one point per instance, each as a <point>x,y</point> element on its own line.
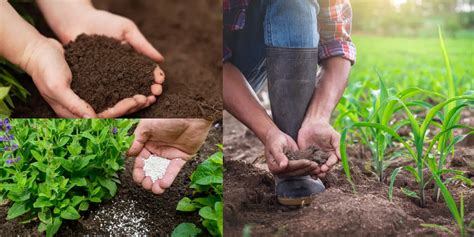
<point>298,190</point>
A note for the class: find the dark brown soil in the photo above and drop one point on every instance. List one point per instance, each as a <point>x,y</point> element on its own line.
<point>97,62</point>
<point>250,203</point>
<point>189,35</point>
<point>312,153</point>
<point>121,215</point>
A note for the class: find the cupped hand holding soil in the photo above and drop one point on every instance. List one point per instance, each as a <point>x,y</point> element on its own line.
<point>312,153</point>
<point>112,77</point>
<point>304,162</point>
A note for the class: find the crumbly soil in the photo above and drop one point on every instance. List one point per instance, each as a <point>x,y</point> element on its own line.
<point>312,153</point>
<point>191,42</point>
<point>97,62</point>
<point>133,211</point>
<point>250,202</point>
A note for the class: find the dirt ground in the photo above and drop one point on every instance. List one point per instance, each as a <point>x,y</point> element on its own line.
<point>133,211</point>
<point>251,204</point>
<point>188,34</point>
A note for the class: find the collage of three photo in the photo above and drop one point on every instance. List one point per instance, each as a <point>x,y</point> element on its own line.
<point>236,118</point>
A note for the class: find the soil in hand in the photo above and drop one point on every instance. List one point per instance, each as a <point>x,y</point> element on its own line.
<point>312,153</point>
<point>192,51</point>
<point>105,71</point>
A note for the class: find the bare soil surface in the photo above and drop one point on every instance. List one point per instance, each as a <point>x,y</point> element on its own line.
<point>96,62</point>
<point>188,34</point>
<point>339,211</point>
<point>133,211</point>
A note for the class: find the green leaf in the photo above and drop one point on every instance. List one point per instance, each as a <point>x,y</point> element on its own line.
<point>78,181</point>
<point>219,210</point>
<point>186,230</point>
<point>4,92</point>
<point>108,184</point>
<point>208,213</point>
<point>70,213</point>
<point>84,206</point>
<point>62,142</point>
<point>53,227</point>
<point>36,155</point>
<point>16,210</point>
<point>410,193</point>
<point>206,201</point>
<point>185,204</point>
<point>42,202</point>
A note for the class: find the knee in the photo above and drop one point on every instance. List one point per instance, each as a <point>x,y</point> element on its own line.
<point>292,24</point>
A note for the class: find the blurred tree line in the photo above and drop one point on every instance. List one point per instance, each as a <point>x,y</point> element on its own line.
<point>414,17</point>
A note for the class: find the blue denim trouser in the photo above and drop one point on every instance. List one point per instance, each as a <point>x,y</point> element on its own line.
<point>275,23</point>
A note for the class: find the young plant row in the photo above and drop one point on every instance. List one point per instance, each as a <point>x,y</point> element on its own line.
<point>52,170</point>
<point>207,183</point>
<point>392,110</point>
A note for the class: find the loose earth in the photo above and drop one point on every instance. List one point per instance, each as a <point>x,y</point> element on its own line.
<point>312,153</point>
<point>105,71</point>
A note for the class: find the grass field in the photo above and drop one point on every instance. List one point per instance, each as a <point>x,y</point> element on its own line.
<point>413,62</point>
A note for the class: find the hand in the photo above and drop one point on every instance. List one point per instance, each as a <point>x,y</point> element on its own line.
<point>322,135</point>
<point>48,68</point>
<point>70,19</point>
<point>174,139</point>
<point>276,144</point>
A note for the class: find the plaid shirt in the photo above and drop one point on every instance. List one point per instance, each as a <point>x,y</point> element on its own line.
<point>334,21</point>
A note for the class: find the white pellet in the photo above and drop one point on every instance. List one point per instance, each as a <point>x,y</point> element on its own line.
<point>155,167</point>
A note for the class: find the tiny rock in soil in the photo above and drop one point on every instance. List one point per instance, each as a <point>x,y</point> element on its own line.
<point>312,153</point>
<point>105,71</point>
<point>155,167</point>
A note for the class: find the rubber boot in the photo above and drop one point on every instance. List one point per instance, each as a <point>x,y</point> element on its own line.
<point>291,76</point>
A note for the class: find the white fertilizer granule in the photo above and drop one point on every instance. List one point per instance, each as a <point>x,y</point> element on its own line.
<point>155,167</point>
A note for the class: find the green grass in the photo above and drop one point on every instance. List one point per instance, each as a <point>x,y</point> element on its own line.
<point>413,62</point>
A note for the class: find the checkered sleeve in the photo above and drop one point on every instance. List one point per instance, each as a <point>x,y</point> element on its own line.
<point>335,22</point>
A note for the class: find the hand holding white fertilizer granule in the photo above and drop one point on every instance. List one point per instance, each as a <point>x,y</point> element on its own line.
<point>155,167</point>
<point>161,148</point>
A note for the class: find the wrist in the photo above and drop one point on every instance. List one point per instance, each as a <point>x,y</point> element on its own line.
<point>29,56</point>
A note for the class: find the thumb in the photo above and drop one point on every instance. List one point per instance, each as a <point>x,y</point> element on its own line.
<point>73,103</point>
<point>141,137</point>
<point>136,39</point>
<point>335,142</point>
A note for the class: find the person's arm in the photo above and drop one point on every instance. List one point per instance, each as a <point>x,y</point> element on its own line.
<point>242,103</point>
<point>68,19</point>
<point>336,54</point>
<point>42,59</point>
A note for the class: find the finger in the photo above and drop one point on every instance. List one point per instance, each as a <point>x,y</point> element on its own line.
<point>335,140</point>
<point>59,110</point>
<point>159,75</point>
<point>322,175</point>
<point>123,107</point>
<point>272,164</point>
<point>136,39</point>
<point>156,89</point>
<point>280,159</point>
<point>70,101</point>
<point>329,163</point>
<point>302,144</point>
<point>171,172</point>
<point>141,137</point>
<point>138,173</point>
<point>147,183</point>
<point>150,100</point>
<point>291,143</point>
<point>306,170</point>
<point>156,189</point>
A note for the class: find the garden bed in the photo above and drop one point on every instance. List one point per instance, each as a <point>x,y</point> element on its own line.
<point>252,207</point>
<point>192,50</point>
<point>133,210</point>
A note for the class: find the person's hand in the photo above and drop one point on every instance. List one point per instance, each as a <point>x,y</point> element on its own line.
<point>47,66</point>
<point>322,135</point>
<point>174,139</point>
<point>70,19</point>
<point>276,144</point>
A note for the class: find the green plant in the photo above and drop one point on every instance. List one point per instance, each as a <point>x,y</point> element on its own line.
<point>52,170</point>
<point>9,87</point>
<point>207,182</point>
